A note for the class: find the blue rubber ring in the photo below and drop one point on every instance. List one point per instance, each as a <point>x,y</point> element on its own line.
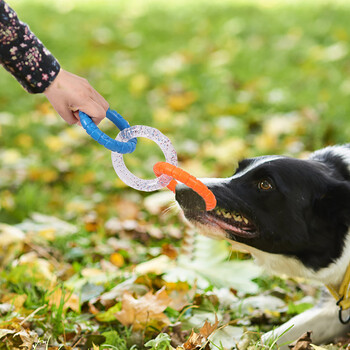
<point>103,139</point>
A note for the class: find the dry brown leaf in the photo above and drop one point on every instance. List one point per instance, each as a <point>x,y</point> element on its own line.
<point>194,341</point>
<point>169,250</point>
<point>28,339</point>
<point>127,209</point>
<point>145,310</point>
<point>198,340</point>
<point>208,328</point>
<point>303,343</point>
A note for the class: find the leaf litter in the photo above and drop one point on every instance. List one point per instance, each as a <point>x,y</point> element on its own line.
<point>87,263</point>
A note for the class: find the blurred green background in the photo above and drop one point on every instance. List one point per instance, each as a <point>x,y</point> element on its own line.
<point>223,80</point>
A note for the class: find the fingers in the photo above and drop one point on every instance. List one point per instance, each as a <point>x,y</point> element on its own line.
<point>94,110</point>
<point>100,100</point>
<point>70,93</point>
<point>68,115</point>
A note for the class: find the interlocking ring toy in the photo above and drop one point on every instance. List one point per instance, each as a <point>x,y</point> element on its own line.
<point>187,179</point>
<point>167,172</point>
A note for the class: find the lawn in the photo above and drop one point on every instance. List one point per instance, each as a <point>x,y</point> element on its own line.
<point>87,263</point>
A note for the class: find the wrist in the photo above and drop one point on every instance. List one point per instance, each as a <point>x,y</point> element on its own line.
<point>53,83</point>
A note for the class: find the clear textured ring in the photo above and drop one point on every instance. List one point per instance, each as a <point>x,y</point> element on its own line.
<point>161,140</point>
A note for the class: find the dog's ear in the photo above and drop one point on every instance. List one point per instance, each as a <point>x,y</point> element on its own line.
<point>334,201</point>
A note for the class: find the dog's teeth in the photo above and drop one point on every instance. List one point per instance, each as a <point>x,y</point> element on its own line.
<point>237,217</point>
<point>246,221</point>
<point>227,215</point>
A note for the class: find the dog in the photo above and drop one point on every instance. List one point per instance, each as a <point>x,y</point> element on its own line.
<point>293,216</point>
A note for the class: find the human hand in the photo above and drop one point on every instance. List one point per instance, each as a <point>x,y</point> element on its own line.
<point>70,94</point>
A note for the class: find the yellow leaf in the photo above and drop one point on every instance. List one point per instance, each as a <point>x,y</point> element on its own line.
<point>146,310</point>
<point>17,300</point>
<point>158,265</point>
<point>180,101</point>
<point>48,234</point>
<point>54,143</point>
<point>180,294</point>
<point>117,259</point>
<point>24,140</point>
<point>11,241</point>
<point>70,300</point>
<point>226,151</point>
<point>41,270</point>
<point>95,347</point>
<point>47,175</point>
<point>162,115</point>
<point>88,177</point>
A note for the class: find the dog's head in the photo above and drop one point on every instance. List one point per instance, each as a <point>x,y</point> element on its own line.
<point>279,205</point>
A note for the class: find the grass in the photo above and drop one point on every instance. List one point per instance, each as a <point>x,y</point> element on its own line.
<point>223,80</point>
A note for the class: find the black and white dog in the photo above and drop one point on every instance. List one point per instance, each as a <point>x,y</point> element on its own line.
<point>293,216</point>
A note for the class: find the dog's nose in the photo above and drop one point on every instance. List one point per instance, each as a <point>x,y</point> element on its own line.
<point>188,199</point>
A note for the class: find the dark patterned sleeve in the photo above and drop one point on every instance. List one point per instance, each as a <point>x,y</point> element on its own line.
<point>22,53</point>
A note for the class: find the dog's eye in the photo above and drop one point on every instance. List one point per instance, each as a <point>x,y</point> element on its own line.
<point>265,185</point>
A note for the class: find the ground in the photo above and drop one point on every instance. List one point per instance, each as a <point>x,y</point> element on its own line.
<point>87,263</point>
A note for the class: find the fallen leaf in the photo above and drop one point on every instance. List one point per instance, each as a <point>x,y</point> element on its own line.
<point>169,250</point>
<point>199,339</point>
<point>42,270</point>
<point>316,347</point>
<point>162,341</point>
<point>11,242</point>
<point>180,101</point>
<point>303,343</point>
<point>194,341</point>
<point>145,310</point>
<point>117,259</point>
<point>28,338</point>
<point>208,328</point>
<point>228,336</point>
<point>70,300</point>
<point>157,265</point>
<point>5,332</point>
<point>17,300</point>
<point>109,315</point>
<point>180,294</point>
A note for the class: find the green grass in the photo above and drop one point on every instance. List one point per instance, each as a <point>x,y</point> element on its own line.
<point>223,80</point>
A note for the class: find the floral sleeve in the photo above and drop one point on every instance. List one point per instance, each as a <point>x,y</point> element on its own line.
<point>22,53</point>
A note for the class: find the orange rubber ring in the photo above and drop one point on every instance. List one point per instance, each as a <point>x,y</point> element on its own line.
<point>187,179</point>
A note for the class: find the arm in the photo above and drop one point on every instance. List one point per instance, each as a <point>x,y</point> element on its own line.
<point>22,53</point>
<point>37,70</point>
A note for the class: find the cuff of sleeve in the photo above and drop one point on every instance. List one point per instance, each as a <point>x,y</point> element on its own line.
<point>38,81</point>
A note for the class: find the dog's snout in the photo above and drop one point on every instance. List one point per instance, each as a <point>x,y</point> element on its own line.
<point>188,199</point>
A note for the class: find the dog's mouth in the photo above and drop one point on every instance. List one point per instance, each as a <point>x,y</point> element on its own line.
<point>231,221</point>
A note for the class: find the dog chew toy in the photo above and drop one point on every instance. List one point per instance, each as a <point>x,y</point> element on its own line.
<point>187,179</point>
<point>166,172</point>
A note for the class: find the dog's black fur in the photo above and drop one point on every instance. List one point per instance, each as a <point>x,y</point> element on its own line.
<point>281,209</point>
